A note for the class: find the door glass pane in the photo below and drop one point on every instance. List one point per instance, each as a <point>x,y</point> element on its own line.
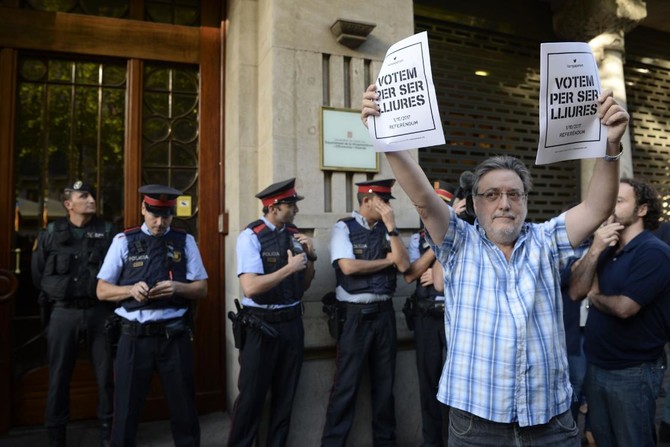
<point>70,125</point>
<point>103,8</point>
<point>170,133</point>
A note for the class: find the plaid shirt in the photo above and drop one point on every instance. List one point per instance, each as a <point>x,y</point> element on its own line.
<point>506,359</point>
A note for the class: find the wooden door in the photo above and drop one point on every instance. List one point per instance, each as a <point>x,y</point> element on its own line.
<point>121,108</point>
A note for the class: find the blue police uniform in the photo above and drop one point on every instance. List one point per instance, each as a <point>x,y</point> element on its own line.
<point>155,337</point>
<point>269,363</point>
<point>368,333</point>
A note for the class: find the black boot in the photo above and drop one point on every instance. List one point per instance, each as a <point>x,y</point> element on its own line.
<point>105,434</point>
<point>57,436</point>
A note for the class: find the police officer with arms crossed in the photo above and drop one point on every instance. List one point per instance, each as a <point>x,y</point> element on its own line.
<point>427,319</point>
<point>275,267</point>
<point>367,253</point>
<point>154,271</point>
<point>66,259</point>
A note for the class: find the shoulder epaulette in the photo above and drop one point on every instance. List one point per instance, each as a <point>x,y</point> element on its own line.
<point>346,219</point>
<point>257,226</point>
<point>292,229</point>
<point>132,230</point>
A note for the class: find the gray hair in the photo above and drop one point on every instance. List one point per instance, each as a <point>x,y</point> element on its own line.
<point>505,162</point>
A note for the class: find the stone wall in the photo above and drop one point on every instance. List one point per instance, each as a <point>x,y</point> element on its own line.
<point>282,65</point>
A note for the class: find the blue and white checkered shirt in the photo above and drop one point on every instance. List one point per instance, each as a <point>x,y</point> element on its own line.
<point>506,357</point>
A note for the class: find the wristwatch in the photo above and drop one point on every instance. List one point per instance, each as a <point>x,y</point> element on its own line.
<point>614,157</point>
<point>393,232</point>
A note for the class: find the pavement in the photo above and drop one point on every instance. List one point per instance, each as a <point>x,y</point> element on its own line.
<point>214,428</point>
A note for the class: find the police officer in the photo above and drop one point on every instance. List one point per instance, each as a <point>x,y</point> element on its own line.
<point>275,267</point>
<point>155,272</point>
<point>427,319</point>
<point>66,260</point>
<point>367,253</point>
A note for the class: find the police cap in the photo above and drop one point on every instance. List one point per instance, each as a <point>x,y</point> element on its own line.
<point>80,186</point>
<point>382,188</point>
<point>160,200</point>
<point>444,190</point>
<point>280,192</point>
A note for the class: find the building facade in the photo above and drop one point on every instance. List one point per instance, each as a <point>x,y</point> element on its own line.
<point>224,98</point>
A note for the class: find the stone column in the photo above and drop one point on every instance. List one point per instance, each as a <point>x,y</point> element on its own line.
<point>603,24</point>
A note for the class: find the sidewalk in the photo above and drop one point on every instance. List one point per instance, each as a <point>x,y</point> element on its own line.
<point>214,429</point>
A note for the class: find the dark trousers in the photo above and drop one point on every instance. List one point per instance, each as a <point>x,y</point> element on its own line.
<point>430,353</point>
<point>371,339</point>
<point>67,327</point>
<point>267,364</point>
<point>136,360</point>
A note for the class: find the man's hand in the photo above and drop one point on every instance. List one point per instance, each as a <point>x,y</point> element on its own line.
<point>163,289</point>
<point>613,116</point>
<point>427,278</point>
<point>307,244</point>
<point>296,263</point>
<point>369,105</point>
<point>606,236</point>
<point>459,207</point>
<point>386,212</point>
<point>140,291</point>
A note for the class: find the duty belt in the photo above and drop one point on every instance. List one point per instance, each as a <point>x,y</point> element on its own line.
<point>431,307</point>
<point>76,303</point>
<point>276,315</point>
<point>166,328</point>
<point>368,309</point>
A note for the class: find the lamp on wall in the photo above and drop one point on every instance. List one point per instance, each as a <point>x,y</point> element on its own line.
<point>350,33</point>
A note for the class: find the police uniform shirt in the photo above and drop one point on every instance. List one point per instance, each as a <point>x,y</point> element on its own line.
<point>113,265</point>
<point>415,254</point>
<point>249,261</point>
<point>342,248</point>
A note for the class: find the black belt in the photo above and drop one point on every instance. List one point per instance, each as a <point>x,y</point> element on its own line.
<point>167,328</point>
<point>76,303</point>
<point>368,309</point>
<point>276,315</point>
<point>431,307</point>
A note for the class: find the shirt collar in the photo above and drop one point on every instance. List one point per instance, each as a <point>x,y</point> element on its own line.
<point>272,226</point>
<point>362,220</point>
<point>145,230</point>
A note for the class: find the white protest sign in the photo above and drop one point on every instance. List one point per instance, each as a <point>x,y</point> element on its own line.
<point>569,88</point>
<point>406,96</point>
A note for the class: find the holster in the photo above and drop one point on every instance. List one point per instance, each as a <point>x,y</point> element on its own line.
<point>409,309</point>
<point>239,336</point>
<point>46,306</point>
<point>336,314</point>
<point>112,332</point>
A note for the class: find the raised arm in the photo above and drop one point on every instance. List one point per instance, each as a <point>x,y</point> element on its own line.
<point>433,211</point>
<point>601,194</point>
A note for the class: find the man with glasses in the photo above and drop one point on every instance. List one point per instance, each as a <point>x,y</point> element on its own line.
<point>367,253</point>
<point>506,373</point>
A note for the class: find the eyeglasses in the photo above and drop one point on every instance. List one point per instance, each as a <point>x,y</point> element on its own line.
<point>494,196</point>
